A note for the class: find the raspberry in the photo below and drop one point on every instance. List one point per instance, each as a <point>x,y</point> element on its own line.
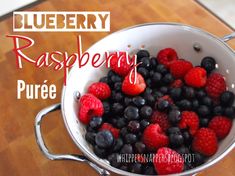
<point>190,120</point>
<point>205,142</point>
<point>180,67</point>
<point>109,127</point>
<point>166,56</point>
<point>221,126</point>
<point>124,68</point>
<point>134,88</point>
<point>168,161</point>
<point>196,77</point>
<point>161,119</point>
<point>177,83</point>
<point>90,106</point>
<point>215,85</point>
<point>154,137</point>
<point>100,90</point>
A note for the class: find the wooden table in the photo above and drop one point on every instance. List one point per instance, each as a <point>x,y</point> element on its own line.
<point>19,153</point>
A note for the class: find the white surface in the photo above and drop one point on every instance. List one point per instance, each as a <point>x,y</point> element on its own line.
<point>7,6</point>
<point>154,37</point>
<point>225,9</point>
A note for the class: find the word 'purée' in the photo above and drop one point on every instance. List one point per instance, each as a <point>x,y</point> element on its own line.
<point>67,61</point>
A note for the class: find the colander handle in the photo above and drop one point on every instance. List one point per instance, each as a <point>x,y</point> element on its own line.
<point>51,156</point>
<point>228,37</point>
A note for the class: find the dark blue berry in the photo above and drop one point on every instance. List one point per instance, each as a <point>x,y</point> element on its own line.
<point>114,160</point>
<point>161,69</point>
<point>139,147</point>
<point>153,62</point>
<point>90,137</point>
<point>130,138</point>
<point>207,101</point>
<point>174,116</point>
<point>126,149</point>
<point>143,71</point>
<point>164,89</point>
<point>146,112</point>
<point>104,139</point>
<point>133,126</point>
<point>203,111</point>
<point>183,150</point>
<point>118,145</point>
<point>123,131</point>
<point>195,104</point>
<point>145,62</point>
<point>131,113</point>
<point>156,78</point>
<point>218,110</point>
<point>156,94</point>
<point>176,140</point>
<point>142,53</point>
<point>173,130</point>
<point>149,170</point>
<point>138,101</point>
<point>198,159</point>
<point>204,122</point>
<point>118,86</point>
<point>230,112</point>
<point>117,108</point>
<point>136,168</point>
<point>162,105</point>
<point>148,82</point>
<point>150,100</point>
<point>95,122</point>
<point>117,96</point>
<point>200,94</point>
<point>143,124</point>
<point>227,98</point>
<point>188,92</point>
<point>100,152</point>
<point>175,93</point>
<point>208,63</point>
<point>184,104</point>
<point>116,78</point>
<point>104,80</point>
<point>127,101</point>
<point>167,78</point>
<point>106,107</point>
<point>121,122</point>
<point>187,137</point>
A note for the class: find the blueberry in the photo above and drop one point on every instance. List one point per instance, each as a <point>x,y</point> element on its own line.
<point>187,137</point>
<point>138,101</point>
<point>227,98</point>
<point>162,105</point>
<point>198,159</point>
<point>218,110</point>
<point>207,101</point>
<point>133,126</point>
<point>176,140</point>
<point>168,78</point>
<point>195,104</point>
<point>123,131</point>
<point>230,112</point>
<point>124,167</point>
<point>174,116</point>
<point>200,94</point>
<point>149,170</point>
<point>143,71</point>
<point>161,69</point>
<point>148,82</point>
<point>106,107</point>
<point>142,53</point>
<point>104,80</point>
<point>126,149</point>
<point>139,147</point>
<point>208,63</point>
<point>143,124</point>
<point>203,111</point>
<point>136,168</point>
<point>156,78</point>
<point>153,62</point>
<point>150,100</point>
<point>113,121</point>
<point>145,62</point>
<point>117,108</point>
<point>104,139</point>
<point>175,93</point>
<point>156,94</point>
<point>182,150</point>
<point>127,101</point>
<point>146,112</point>
<point>118,86</point>
<point>100,152</point>
<point>130,138</point>
<point>111,73</point>
<point>184,104</point>
<point>116,78</point>
<point>148,90</point>
<point>121,122</point>
<point>90,137</point>
<point>204,122</point>
<point>114,160</point>
<point>95,122</point>
<point>163,89</point>
<point>89,129</point>
<point>118,145</point>
<point>173,130</point>
<point>131,113</point>
<point>188,92</point>
<point>117,96</point>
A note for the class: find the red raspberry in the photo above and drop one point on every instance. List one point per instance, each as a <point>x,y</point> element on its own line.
<point>90,106</point>
<point>167,98</point>
<point>168,161</point>
<point>109,127</point>
<point>100,90</point>
<point>189,120</point>
<point>180,67</point>
<point>161,119</point>
<point>177,83</point>
<point>221,126</point>
<point>166,56</point>
<point>215,85</point>
<point>196,77</point>
<point>205,142</point>
<point>124,67</point>
<point>133,88</point>
<point>154,137</point>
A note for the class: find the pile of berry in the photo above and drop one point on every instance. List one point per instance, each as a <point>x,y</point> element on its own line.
<point>173,110</point>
